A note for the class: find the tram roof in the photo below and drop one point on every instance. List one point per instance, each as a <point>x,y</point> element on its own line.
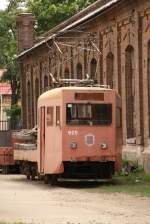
<point>58,91</point>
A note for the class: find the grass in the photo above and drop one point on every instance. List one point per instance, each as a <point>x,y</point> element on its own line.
<point>134,183</point>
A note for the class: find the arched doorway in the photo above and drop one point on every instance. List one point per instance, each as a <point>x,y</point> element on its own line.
<point>148,77</point>
<point>130,91</point>
<point>110,69</point>
<point>79,71</point>
<point>36,95</point>
<point>45,82</point>
<point>93,67</point>
<point>66,73</point>
<point>29,100</point>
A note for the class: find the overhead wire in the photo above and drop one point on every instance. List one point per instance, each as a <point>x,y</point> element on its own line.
<point>56,66</point>
<point>67,31</point>
<point>82,48</point>
<point>77,47</point>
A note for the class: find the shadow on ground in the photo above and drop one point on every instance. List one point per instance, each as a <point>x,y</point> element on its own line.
<point>77,184</point>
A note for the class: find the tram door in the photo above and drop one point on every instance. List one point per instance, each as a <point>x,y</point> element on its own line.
<point>42,139</point>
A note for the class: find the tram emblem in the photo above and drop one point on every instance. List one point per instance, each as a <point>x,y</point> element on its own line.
<point>89,139</point>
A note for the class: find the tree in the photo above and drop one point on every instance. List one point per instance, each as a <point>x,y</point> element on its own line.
<point>7,39</point>
<point>12,75</point>
<point>50,13</point>
<point>8,49</point>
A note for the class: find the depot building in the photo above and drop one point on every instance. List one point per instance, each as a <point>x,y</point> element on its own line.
<point>109,41</point>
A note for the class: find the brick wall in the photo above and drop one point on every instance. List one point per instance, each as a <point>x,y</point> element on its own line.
<point>25,23</point>
<point>123,35</point>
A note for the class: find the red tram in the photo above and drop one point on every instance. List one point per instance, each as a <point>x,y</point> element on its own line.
<point>79,135</point>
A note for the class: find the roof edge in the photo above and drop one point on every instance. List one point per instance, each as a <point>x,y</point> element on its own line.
<point>64,27</point>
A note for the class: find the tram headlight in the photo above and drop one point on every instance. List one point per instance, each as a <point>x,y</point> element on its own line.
<point>73,145</point>
<point>103,146</point>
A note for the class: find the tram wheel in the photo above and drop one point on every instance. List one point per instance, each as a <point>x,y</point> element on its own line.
<point>28,176</point>
<point>46,179</point>
<point>53,180</point>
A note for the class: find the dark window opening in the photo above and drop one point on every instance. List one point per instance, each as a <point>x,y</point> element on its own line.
<point>79,71</point>
<point>93,68</point>
<point>45,83</point>
<point>49,118</point>
<point>110,70</point>
<point>89,114</point>
<point>130,91</point>
<point>66,73</point>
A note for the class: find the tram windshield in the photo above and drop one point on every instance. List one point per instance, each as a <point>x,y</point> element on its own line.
<point>89,114</point>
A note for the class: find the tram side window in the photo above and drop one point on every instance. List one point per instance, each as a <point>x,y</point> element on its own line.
<point>49,117</point>
<point>57,115</point>
<point>118,117</point>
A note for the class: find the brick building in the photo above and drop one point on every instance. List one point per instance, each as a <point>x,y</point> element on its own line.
<point>120,29</point>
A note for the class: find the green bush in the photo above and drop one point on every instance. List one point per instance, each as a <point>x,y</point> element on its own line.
<point>131,167</point>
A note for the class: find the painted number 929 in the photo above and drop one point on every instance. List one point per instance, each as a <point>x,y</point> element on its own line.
<point>73,133</point>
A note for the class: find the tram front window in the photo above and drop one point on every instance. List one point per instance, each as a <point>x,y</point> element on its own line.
<point>89,114</point>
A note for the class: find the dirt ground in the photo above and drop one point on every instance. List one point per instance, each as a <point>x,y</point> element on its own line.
<point>33,202</point>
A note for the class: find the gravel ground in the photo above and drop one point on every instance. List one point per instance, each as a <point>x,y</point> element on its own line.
<point>33,202</point>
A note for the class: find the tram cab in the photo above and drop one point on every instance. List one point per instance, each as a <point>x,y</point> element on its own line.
<point>79,132</point>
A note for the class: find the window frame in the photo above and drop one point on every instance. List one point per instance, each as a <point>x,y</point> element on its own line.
<point>58,120</point>
<point>87,120</point>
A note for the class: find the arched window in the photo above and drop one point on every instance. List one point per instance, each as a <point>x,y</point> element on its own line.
<point>93,67</point>
<point>40,77</point>
<point>36,95</point>
<point>55,75</point>
<point>60,71</point>
<point>79,71</point>
<point>32,99</point>
<point>50,82</point>
<point>45,82</point>
<point>148,75</point>
<point>66,73</point>
<point>110,69</point>
<point>29,100</point>
<point>130,82</point>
